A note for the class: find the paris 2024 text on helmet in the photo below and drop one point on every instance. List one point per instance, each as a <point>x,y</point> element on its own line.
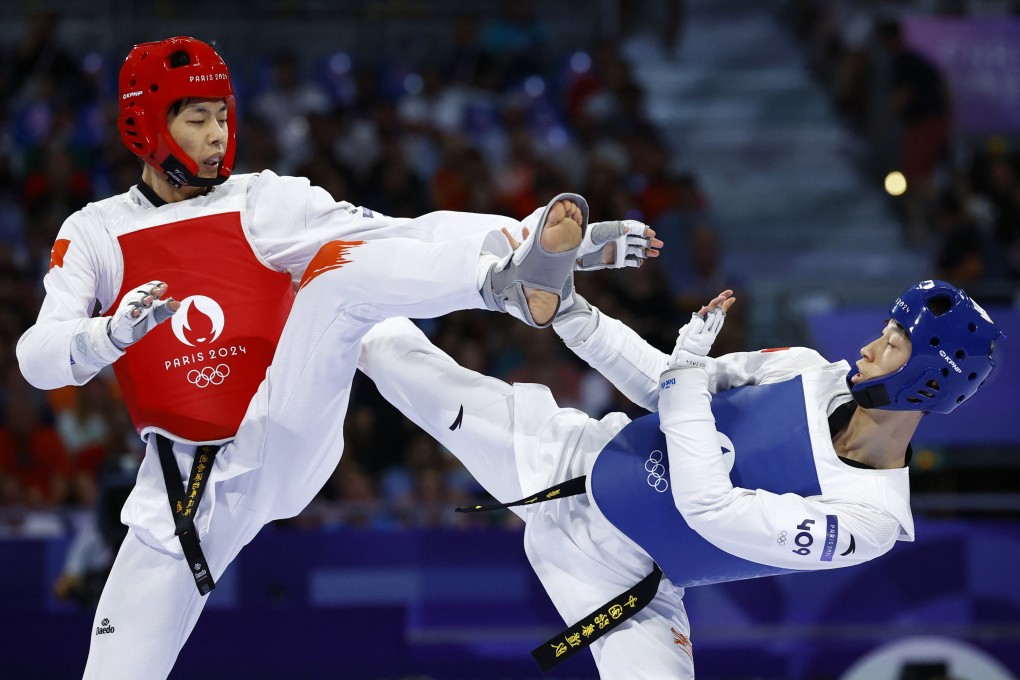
<point>952,340</point>
<point>154,76</point>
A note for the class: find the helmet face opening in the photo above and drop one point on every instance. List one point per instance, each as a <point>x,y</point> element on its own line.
<point>153,78</point>
<point>952,341</point>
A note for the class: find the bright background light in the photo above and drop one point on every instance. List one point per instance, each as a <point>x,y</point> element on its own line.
<point>895,183</point>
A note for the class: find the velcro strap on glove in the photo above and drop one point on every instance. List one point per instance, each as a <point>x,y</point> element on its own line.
<point>613,244</point>
<point>91,346</point>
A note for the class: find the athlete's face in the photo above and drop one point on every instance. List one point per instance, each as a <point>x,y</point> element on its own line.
<point>200,129</point>
<point>884,355</point>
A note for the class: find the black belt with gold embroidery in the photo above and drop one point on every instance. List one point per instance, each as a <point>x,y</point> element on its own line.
<point>184,505</point>
<point>604,619</point>
<point>598,623</point>
<point>571,487</point>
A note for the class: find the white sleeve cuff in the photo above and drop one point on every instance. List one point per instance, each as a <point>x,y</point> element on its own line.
<point>91,344</point>
<point>681,377</point>
<point>575,329</point>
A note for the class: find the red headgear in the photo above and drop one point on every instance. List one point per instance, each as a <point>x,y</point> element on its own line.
<point>150,84</point>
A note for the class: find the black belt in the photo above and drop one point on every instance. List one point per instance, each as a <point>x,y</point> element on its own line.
<point>604,619</point>
<point>184,505</point>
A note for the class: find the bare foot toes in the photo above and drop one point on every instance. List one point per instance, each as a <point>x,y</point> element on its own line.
<point>562,228</point>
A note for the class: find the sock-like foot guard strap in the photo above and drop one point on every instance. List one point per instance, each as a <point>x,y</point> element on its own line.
<point>533,266</point>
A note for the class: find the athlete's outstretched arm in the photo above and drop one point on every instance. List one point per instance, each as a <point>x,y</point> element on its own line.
<point>633,366</point>
<point>787,530</point>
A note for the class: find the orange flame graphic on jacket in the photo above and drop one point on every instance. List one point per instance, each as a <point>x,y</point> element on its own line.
<point>331,256</point>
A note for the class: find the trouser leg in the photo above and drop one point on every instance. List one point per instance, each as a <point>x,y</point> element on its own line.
<point>470,414</point>
<point>307,389</point>
<point>150,605</point>
<point>655,643</point>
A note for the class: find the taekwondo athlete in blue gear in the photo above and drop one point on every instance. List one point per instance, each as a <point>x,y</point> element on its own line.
<point>694,489</point>
<point>766,430</point>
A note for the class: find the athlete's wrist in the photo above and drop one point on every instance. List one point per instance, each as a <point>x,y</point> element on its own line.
<point>93,345</point>
<point>684,375</point>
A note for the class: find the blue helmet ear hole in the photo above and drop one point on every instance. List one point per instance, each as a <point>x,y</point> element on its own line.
<point>972,376</point>
<point>945,372</point>
<point>959,399</point>
<point>934,341</point>
<point>972,327</point>
<point>960,354</point>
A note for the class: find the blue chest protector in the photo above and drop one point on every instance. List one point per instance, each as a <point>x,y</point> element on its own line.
<point>767,429</point>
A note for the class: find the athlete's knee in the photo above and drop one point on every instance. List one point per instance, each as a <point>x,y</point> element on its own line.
<point>392,339</point>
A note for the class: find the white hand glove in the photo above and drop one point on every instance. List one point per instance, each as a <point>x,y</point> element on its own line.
<point>695,340</point>
<point>615,244</point>
<point>140,311</point>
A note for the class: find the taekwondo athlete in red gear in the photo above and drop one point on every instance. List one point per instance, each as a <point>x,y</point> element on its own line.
<point>241,396</point>
<point>664,490</point>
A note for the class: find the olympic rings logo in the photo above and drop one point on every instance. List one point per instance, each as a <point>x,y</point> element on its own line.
<point>782,538</point>
<point>656,472</point>
<point>208,375</point>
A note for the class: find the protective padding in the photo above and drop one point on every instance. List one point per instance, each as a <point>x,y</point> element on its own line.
<point>149,86</point>
<point>764,428</point>
<point>533,266</point>
<point>951,343</point>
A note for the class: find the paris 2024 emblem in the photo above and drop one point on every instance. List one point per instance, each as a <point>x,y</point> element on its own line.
<point>198,323</point>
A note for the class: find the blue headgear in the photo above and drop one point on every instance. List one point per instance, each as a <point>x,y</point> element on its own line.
<point>951,341</point>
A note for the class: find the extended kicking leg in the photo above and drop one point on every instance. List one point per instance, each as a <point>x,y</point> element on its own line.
<point>470,414</point>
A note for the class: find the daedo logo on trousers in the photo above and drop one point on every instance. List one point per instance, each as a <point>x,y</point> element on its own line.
<point>104,627</point>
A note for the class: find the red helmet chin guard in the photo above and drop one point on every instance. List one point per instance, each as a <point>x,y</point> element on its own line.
<point>150,83</point>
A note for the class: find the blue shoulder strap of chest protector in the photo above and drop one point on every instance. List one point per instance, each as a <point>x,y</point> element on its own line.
<point>763,428</point>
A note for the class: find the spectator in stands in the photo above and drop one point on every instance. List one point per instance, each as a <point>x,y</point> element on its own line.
<point>963,255</point>
<point>86,430</point>
<point>99,532</point>
<point>285,104</point>
<point>996,178</point>
<point>708,272</point>
<point>919,100</point>
<point>38,56</point>
<point>514,42</point>
<point>393,188</point>
<point>33,460</point>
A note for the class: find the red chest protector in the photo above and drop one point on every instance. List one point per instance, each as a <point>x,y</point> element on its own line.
<point>193,375</point>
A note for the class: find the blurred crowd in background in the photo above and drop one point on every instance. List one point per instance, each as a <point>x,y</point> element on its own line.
<point>963,197</point>
<point>500,122</point>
